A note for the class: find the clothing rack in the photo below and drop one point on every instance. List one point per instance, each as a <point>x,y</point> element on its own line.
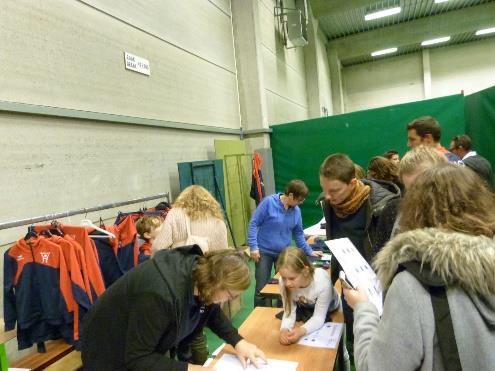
<point>50,217</point>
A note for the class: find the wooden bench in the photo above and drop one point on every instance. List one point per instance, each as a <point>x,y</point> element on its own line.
<point>71,362</point>
<point>55,350</point>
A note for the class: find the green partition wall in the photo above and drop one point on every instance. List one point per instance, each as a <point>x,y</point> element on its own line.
<point>300,147</point>
<point>480,122</point>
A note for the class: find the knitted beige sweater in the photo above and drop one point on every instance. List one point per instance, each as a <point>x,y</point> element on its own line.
<point>174,231</point>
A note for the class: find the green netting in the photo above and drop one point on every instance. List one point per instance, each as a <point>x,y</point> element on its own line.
<point>480,122</point>
<point>300,147</point>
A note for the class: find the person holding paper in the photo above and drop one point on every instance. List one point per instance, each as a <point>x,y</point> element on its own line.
<point>442,263</point>
<point>275,221</point>
<point>147,319</point>
<point>353,208</point>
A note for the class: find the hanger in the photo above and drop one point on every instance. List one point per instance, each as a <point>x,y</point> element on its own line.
<point>89,223</point>
<point>31,233</point>
<point>56,229</point>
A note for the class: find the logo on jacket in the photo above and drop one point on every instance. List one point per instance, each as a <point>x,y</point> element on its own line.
<point>19,257</point>
<point>44,257</point>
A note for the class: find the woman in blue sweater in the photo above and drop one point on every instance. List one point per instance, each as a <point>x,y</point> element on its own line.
<point>276,220</point>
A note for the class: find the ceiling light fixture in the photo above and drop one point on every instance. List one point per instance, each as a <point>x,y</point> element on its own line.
<point>382,13</point>
<point>384,51</point>
<point>435,41</point>
<point>485,31</point>
<point>440,1</point>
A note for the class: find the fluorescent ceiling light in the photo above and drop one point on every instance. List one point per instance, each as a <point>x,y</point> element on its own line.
<point>384,51</point>
<point>440,1</point>
<point>382,13</point>
<point>436,41</point>
<point>485,31</point>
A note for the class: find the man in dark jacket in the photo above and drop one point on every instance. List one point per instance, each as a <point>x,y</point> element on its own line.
<point>153,311</point>
<point>352,209</point>
<point>462,147</point>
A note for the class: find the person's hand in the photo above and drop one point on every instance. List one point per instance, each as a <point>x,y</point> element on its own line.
<point>284,336</point>
<point>317,253</point>
<point>296,334</point>
<point>311,240</point>
<point>247,351</point>
<point>255,255</point>
<point>354,297</point>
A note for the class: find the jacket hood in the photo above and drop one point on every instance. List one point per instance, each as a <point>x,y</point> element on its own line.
<point>176,266</point>
<point>457,258</point>
<point>381,193</point>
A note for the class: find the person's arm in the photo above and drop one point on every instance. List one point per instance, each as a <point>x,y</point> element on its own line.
<point>394,342</point>
<point>326,297</point>
<point>149,319</point>
<point>222,326</point>
<point>255,223</point>
<point>298,233</point>
<point>219,240</point>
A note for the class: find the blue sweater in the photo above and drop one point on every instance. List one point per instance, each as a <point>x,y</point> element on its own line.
<point>272,227</point>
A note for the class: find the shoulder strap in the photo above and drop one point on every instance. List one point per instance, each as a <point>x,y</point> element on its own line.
<point>443,320</point>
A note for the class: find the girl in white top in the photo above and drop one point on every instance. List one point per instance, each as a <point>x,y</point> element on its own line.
<point>196,218</point>
<point>307,295</point>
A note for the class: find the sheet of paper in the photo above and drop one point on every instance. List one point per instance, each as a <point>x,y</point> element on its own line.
<point>316,230</point>
<point>229,362</point>
<point>357,270</point>
<point>326,257</point>
<point>327,336</point>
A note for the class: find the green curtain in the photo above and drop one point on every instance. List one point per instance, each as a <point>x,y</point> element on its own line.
<point>480,122</point>
<point>299,148</point>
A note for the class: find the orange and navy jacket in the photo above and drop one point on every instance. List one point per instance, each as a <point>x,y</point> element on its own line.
<point>144,252</point>
<point>37,292</point>
<point>120,254</point>
<point>87,256</point>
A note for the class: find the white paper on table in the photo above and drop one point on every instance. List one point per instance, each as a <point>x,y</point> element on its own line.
<point>357,270</point>
<point>229,362</point>
<point>326,257</point>
<point>327,336</point>
<point>316,230</point>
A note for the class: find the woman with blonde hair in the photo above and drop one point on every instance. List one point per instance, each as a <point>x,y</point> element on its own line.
<point>195,218</point>
<point>307,295</point>
<point>439,311</point>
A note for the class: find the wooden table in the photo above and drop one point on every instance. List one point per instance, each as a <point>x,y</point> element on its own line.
<point>263,329</point>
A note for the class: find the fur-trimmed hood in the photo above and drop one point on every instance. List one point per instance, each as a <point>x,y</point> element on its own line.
<point>458,258</point>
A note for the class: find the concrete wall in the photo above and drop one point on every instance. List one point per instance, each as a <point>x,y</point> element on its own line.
<point>284,72</point>
<point>465,67</point>
<point>70,54</point>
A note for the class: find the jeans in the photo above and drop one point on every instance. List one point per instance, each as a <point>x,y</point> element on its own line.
<point>262,274</point>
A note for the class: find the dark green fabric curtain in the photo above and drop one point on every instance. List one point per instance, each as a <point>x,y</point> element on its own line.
<point>300,147</point>
<point>480,122</point>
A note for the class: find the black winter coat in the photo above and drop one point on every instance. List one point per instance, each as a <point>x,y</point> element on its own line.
<point>144,314</point>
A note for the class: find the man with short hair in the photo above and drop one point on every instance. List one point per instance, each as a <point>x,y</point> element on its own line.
<point>426,130</point>
<point>462,147</point>
<point>352,208</point>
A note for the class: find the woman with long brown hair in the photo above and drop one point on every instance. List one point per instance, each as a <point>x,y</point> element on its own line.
<point>439,275</point>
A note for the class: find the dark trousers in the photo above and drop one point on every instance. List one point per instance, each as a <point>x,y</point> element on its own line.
<point>262,274</point>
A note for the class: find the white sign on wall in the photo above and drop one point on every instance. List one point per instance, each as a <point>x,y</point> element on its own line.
<point>138,64</point>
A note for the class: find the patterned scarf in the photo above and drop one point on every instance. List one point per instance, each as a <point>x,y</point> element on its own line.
<point>354,201</point>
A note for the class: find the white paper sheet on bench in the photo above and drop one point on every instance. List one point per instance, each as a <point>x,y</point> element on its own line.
<point>316,230</point>
<point>357,270</point>
<point>327,336</point>
<point>229,362</point>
